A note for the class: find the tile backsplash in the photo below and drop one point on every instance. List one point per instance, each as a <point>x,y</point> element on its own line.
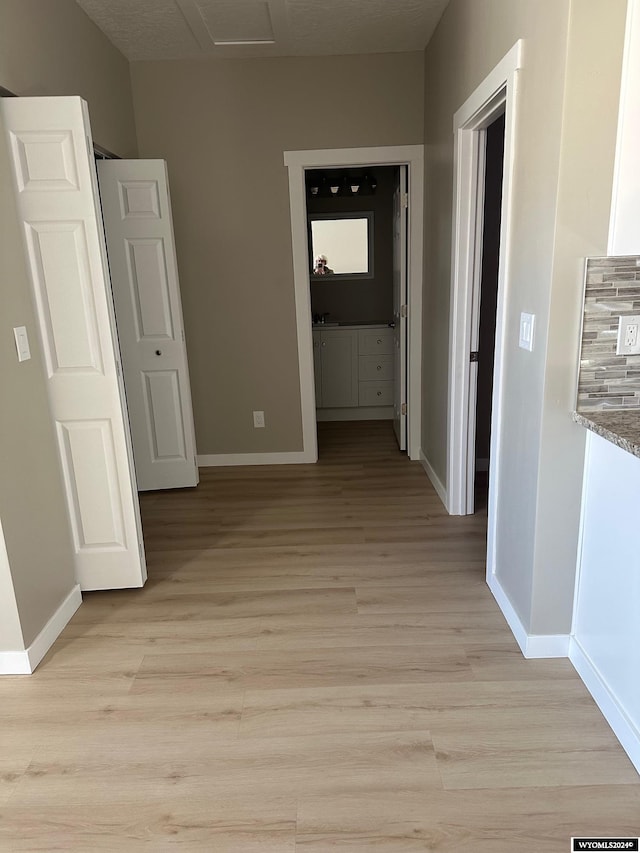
<point>607,380</point>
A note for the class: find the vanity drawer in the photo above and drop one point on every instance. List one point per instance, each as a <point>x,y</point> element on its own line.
<point>375,368</point>
<point>375,394</point>
<point>372,341</point>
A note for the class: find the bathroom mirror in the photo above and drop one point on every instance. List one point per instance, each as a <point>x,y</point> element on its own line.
<point>341,244</point>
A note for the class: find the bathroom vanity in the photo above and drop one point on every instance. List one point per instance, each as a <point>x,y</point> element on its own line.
<point>354,372</point>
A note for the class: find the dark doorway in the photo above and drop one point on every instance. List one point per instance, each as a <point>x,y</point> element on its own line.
<point>488,302</point>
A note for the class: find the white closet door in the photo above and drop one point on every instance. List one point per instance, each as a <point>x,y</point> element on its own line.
<point>51,154</point>
<point>146,290</point>
<point>400,212</point>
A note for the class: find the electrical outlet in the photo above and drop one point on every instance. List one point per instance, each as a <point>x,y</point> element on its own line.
<point>258,420</point>
<point>629,335</point>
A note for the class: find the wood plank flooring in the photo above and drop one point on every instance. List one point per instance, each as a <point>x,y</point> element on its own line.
<point>315,664</point>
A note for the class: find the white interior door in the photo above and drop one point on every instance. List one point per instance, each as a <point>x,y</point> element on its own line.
<point>144,276</point>
<point>51,154</point>
<point>400,214</point>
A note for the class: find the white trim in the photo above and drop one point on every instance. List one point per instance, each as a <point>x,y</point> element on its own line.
<point>25,662</point>
<point>218,460</point>
<point>625,199</point>
<point>613,712</point>
<point>15,663</point>
<point>394,155</point>
<point>496,93</point>
<point>435,480</point>
<point>531,645</point>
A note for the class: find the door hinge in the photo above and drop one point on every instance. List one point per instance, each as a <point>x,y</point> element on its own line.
<point>403,311</point>
<point>404,409</point>
<point>405,200</point>
<point>474,356</point>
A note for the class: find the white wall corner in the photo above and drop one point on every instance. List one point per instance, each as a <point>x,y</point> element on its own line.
<point>25,662</point>
<point>531,645</point>
<point>436,482</point>
<point>613,712</point>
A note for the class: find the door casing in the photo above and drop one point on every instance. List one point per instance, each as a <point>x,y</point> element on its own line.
<point>297,162</point>
<point>495,95</point>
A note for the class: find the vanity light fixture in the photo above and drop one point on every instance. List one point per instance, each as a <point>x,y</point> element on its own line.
<point>345,185</point>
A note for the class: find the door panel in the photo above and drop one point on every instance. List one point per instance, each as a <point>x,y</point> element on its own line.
<point>144,274</point>
<point>51,156</point>
<point>149,289</point>
<point>339,369</point>
<point>400,252</point>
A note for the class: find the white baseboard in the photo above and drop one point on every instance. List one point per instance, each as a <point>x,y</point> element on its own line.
<point>215,460</point>
<point>531,645</point>
<point>613,712</point>
<point>24,662</point>
<point>435,480</point>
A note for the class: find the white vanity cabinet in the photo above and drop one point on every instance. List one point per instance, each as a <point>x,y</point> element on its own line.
<point>353,369</point>
<point>375,367</point>
<point>338,368</point>
<point>317,366</point>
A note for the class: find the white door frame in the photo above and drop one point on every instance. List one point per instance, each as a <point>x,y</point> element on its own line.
<point>336,158</point>
<point>496,94</point>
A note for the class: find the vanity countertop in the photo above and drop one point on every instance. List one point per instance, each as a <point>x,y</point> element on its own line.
<point>619,426</point>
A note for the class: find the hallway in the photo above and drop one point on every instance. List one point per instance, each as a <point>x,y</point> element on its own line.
<point>315,664</point>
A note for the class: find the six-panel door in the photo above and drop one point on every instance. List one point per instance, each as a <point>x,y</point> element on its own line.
<point>51,155</point>
<point>144,275</point>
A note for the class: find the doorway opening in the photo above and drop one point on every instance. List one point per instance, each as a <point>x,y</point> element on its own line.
<point>488,114</point>
<point>485,334</point>
<point>405,330</point>
<point>357,262</point>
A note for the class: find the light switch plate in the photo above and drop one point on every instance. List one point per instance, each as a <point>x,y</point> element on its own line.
<point>527,324</point>
<point>22,343</point>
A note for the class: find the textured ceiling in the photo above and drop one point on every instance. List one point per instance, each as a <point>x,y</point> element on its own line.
<point>193,29</point>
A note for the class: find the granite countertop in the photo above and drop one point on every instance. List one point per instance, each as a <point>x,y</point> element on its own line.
<point>619,426</point>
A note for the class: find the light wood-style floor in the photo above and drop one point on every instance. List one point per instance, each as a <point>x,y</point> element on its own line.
<point>315,664</point>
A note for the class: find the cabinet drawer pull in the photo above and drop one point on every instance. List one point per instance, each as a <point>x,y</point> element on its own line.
<point>379,340</point>
<point>379,367</point>
<point>324,343</point>
<point>379,393</point>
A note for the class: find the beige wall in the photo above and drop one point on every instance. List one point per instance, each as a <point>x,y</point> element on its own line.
<point>594,70</point>
<point>537,529</point>
<point>11,639</point>
<point>53,48</point>
<point>223,126</point>
<point>46,48</point>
